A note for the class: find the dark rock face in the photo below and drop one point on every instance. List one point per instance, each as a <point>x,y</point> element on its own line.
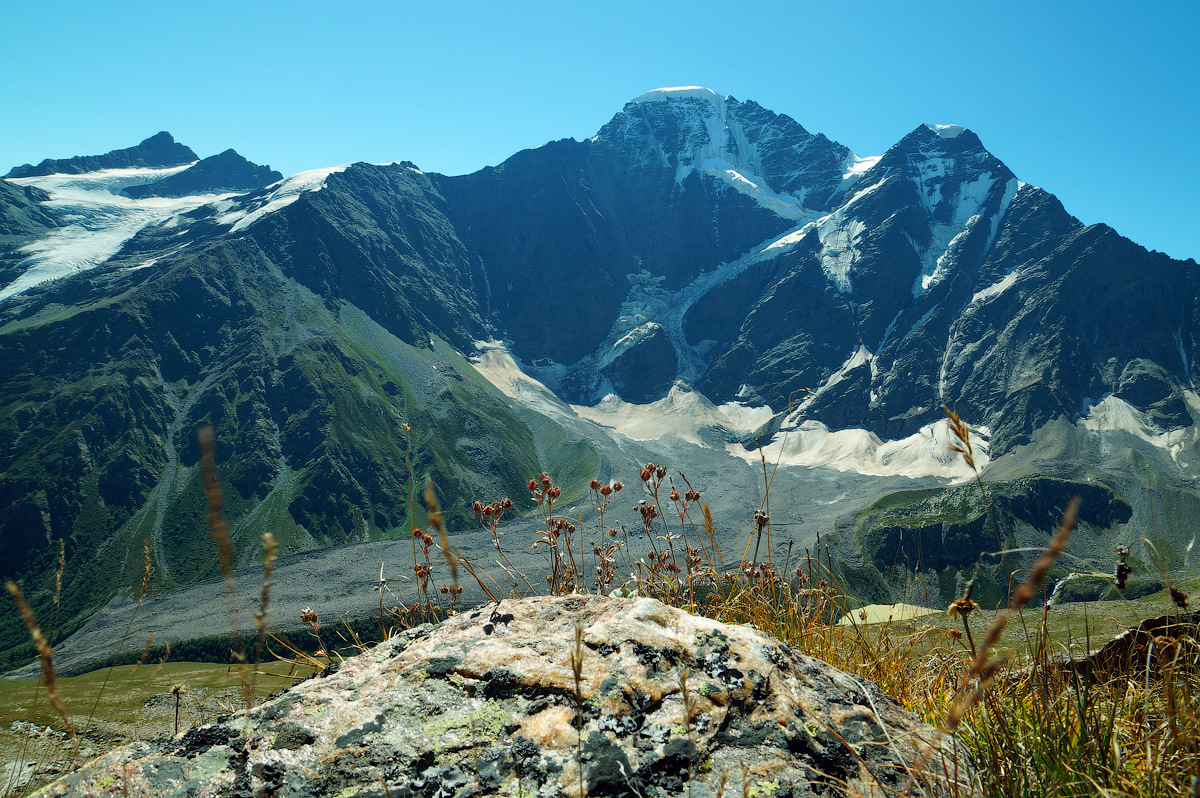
<point>218,174</point>
<point>431,712</point>
<point>22,215</point>
<point>23,218</point>
<point>160,150</point>
<point>633,209</point>
<point>645,371</point>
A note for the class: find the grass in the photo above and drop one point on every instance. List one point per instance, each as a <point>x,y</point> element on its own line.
<point>130,688</point>
<point>138,703</point>
<point>1033,726</point>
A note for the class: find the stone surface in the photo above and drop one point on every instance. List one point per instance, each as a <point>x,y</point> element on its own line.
<point>486,704</point>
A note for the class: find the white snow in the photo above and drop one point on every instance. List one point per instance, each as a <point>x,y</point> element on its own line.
<point>1112,413</point>
<point>1183,358</point>
<point>716,145</point>
<point>1010,192</point>
<point>925,453</point>
<point>283,193</point>
<point>969,198</point>
<point>681,413</point>
<point>997,288</point>
<point>859,357</point>
<point>839,236</point>
<point>755,188</point>
<point>100,221</point>
<point>854,166</point>
<point>674,92</point>
<point>649,303</point>
<point>947,131</point>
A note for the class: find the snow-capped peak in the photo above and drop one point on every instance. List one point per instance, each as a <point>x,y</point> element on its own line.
<point>676,92</point>
<point>696,130</point>
<point>946,131</point>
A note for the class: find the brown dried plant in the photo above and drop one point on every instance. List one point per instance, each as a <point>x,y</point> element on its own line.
<point>220,534</point>
<point>45,654</point>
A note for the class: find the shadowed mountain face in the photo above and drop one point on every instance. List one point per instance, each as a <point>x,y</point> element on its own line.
<point>323,324</point>
<point>224,173</point>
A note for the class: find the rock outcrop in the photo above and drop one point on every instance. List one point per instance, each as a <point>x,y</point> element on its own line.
<point>487,703</point>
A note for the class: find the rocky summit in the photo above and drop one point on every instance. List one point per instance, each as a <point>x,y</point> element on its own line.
<point>490,702</point>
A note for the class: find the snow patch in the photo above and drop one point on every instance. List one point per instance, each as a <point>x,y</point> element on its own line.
<point>681,413</point>
<point>1115,414</point>
<point>755,188</point>
<point>854,166</point>
<point>997,288</point>
<point>648,302</point>
<point>925,453</point>
<point>1183,358</point>
<point>716,144</point>
<point>282,194</point>
<point>839,237</point>
<point>675,92</point>
<point>947,131</point>
<point>99,220</point>
<point>861,355</point>
<point>969,200</point>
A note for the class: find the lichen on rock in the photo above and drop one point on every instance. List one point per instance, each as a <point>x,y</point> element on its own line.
<point>485,704</point>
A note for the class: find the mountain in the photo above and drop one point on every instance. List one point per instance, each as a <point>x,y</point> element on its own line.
<point>226,172</point>
<point>701,276</point>
<point>160,150</point>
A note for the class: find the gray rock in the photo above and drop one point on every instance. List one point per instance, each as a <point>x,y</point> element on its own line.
<point>486,704</point>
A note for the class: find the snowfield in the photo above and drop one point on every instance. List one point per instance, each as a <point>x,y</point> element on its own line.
<point>100,221</point>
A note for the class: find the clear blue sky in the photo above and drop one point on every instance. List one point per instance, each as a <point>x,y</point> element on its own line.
<point>1098,102</point>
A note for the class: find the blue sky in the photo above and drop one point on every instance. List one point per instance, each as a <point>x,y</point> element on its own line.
<point>1097,102</point>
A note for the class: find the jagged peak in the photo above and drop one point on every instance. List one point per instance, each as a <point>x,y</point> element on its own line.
<point>159,150</point>
<point>941,139</point>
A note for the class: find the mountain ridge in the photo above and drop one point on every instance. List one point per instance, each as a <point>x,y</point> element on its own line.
<point>696,243</point>
<point>159,150</point>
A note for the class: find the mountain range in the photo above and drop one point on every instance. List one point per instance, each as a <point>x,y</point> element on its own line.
<point>702,273</point>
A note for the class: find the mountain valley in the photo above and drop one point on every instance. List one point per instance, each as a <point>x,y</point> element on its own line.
<point>703,284</point>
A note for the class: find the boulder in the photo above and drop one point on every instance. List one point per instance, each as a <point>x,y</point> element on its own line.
<point>487,703</point>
